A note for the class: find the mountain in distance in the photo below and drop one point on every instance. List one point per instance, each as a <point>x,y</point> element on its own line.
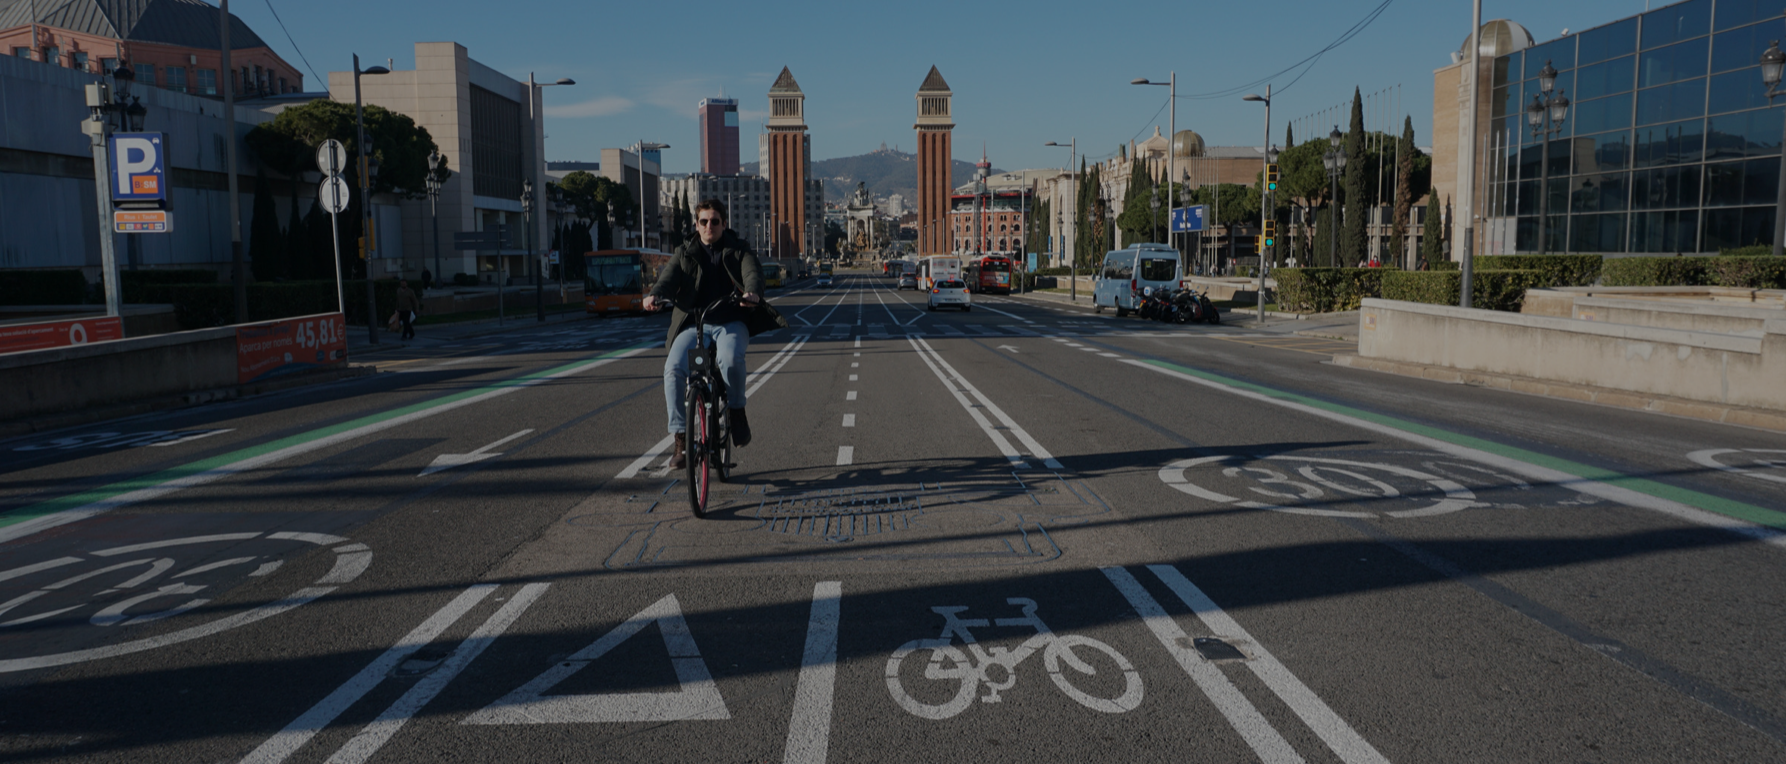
<point>886,171</point>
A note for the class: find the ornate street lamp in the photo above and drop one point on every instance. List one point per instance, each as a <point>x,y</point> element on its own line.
<point>1335,162</point>
<point>1773,60</point>
<point>1545,117</point>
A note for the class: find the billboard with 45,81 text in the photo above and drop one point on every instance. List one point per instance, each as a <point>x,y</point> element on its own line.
<point>290,345</point>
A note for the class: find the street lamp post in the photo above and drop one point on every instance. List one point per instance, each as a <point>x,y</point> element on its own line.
<point>539,284</point>
<point>359,121</point>
<point>1335,162</point>
<point>1171,145</point>
<point>1154,221</point>
<point>434,184</point>
<point>1265,197</point>
<point>1072,256</point>
<point>1545,116</point>
<point>528,202</point>
<point>1772,62</point>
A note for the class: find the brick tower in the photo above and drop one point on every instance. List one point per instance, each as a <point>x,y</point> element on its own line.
<point>790,163</point>
<point>934,164</point>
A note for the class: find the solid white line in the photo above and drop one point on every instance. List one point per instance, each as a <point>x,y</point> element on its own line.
<point>998,439</point>
<point>64,517</point>
<point>287,741</point>
<point>1035,448</point>
<point>846,455</point>
<point>849,420</point>
<point>809,729</point>
<point>1524,469</point>
<point>1240,713</point>
<point>376,734</point>
<point>1003,313</point>
<point>760,376</point>
<point>1333,730</point>
<point>833,309</point>
<point>500,442</point>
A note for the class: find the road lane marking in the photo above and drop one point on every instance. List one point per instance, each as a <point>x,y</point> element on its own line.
<point>1692,506</point>
<point>375,735</point>
<point>809,729</point>
<point>759,377</point>
<point>76,507</point>
<point>1339,736</point>
<point>1021,434</point>
<point>849,420</point>
<point>287,741</point>
<point>449,461</point>
<point>1003,313</point>
<point>698,698</point>
<point>852,378</point>
<point>1233,705</point>
<point>846,455</point>
<point>1709,458</point>
<point>998,438</point>
<point>850,396</point>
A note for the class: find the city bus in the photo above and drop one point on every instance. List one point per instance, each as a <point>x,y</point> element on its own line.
<point>616,280</point>
<point>938,268</point>
<point>896,268</point>
<point>991,273</point>
<point>772,275</point>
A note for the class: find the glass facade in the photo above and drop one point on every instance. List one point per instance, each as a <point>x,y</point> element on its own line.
<point>1670,144</point>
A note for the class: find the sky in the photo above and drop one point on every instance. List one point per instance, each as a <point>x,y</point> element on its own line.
<point>1022,74</point>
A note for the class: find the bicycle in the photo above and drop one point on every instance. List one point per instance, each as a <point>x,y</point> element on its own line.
<point>948,662</point>
<point>708,438</point>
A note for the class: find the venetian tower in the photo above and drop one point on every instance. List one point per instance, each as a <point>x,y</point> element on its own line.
<point>790,164</point>
<point>934,164</point>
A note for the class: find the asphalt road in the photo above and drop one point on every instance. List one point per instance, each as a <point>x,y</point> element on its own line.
<point>1026,533</point>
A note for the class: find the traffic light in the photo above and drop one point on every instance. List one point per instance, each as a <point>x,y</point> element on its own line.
<point>1259,245</point>
<point>1270,237</point>
<point>1270,178</point>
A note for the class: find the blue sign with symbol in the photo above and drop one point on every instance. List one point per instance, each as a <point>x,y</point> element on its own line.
<point>139,171</point>
<point>1189,219</point>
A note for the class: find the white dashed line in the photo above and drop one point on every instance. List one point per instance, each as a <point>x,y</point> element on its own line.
<point>850,396</point>
<point>849,420</point>
<point>852,378</point>
<point>846,455</point>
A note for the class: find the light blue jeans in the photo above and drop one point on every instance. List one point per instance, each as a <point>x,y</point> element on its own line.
<point>731,340</point>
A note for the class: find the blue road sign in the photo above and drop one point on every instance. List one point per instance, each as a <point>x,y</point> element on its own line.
<point>138,168</point>
<point>1189,219</point>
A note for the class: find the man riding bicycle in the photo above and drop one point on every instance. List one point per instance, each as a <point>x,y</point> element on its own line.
<point>708,271</point>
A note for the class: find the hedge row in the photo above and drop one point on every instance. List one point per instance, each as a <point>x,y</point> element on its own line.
<point>1327,290</point>
<point>198,306</point>
<point>1729,271</point>
<point>49,287</point>
<point>1563,270</point>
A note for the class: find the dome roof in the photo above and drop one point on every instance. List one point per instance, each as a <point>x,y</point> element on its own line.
<point>1498,38</point>
<point>1187,143</point>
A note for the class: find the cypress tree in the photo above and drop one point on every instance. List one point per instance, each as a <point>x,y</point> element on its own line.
<point>1431,234</point>
<point>1353,220</point>
<point>1404,181</point>
<point>1289,136</point>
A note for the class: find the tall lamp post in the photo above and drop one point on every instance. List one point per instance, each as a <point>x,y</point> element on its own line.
<point>539,284</point>
<point>1171,144</point>
<point>1073,256</point>
<point>435,160</point>
<point>1545,116</point>
<point>1265,200</point>
<point>1154,203</point>
<point>359,122</point>
<point>1335,162</point>
<point>533,118</point>
<point>1773,61</point>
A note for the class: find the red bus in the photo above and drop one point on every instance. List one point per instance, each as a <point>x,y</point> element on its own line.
<point>991,273</point>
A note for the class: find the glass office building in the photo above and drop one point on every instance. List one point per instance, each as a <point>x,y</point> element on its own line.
<point>1669,145</point>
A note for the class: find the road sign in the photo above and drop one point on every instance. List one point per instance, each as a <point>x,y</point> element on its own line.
<point>333,194</point>
<point>331,157</point>
<point>142,221</point>
<point>138,174</point>
<point>1189,219</point>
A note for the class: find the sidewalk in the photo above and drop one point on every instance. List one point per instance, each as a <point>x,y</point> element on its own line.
<point>359,342</point>
<point>1336,326</point>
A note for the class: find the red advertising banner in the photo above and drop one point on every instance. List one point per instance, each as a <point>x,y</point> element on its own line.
<point>55,334</point>
<point>288,345</point>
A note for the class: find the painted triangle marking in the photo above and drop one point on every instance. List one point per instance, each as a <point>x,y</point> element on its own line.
<point>697,699</point>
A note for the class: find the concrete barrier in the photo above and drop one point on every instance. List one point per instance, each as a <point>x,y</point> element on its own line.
<point>1560,301</point>
<point>1732,369</point>
<point>58,380</point>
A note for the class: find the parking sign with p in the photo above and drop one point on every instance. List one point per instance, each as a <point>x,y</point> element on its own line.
<point>138,168</point>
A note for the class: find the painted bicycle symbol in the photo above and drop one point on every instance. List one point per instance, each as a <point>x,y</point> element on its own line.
<point>996,667</point>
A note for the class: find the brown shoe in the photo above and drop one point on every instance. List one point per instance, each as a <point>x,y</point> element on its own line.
<point>679,459</point>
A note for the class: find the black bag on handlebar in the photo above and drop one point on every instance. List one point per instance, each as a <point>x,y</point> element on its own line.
<point>761,317</point>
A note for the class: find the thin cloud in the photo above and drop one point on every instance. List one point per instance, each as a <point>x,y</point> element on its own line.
<point>595,107</point>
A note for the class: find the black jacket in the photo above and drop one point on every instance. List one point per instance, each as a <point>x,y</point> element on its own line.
<point>683,279</point>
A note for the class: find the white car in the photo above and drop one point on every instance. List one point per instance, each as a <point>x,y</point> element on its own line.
<point>950,294</point>
<point>907,281</point>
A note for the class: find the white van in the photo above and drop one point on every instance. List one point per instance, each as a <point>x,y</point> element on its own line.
<point>1129,272</point>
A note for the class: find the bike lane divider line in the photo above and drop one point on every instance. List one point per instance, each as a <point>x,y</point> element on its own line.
<point>375,735</point>
<point>998,439</point>
<point>1003,313</point>
<point>287,741</point>
<point>1333,730</point>
<point>42,516</point>
<point>755,381</point>
<point>1022,435</point>
<point>809,729</point>
<point>1234,706</point>
<point>1758,523</point>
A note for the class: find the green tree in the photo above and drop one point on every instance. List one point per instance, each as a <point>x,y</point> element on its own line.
<point>1404,180</point>
<point>1289,135</point>
<point>1354,218</point>
<point>1138,221</point>
<point>1432,234</point>
<point>266,242</point>
<point>1321,254</point>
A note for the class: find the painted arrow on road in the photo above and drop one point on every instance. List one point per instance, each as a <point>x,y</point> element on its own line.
<point>449,461</point>
<point>1012,348</point>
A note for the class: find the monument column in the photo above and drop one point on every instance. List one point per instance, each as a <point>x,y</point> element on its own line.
<point>788,165</point>
<point>934,128</point>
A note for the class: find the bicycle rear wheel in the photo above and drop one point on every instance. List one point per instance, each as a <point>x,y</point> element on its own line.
<point>699,450</point>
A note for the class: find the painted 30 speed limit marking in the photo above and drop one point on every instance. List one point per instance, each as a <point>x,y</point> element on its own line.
<point>1308,485</point>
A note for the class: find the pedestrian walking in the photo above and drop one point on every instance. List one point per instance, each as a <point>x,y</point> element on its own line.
<point>406,308</point>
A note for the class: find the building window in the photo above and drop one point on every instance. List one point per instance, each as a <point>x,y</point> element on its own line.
<point>108,65</point>
<point>283,88</point>
<point>52,56</point>
<point>496,145</point>
<point>145,74</point>
<point>206,82</point>
<point>24,53</point>
<point>79,60</point>
<point>176,78</point>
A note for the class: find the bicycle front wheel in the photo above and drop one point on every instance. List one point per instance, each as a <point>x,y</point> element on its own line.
<point>699,447</point>
<point>946,664</point>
